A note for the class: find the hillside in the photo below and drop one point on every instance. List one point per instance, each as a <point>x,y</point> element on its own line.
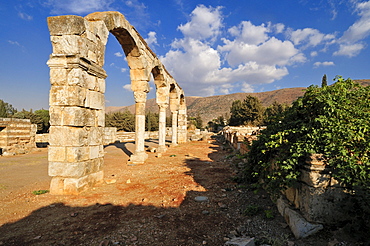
<point>211,107</point>
<point>214,106</point>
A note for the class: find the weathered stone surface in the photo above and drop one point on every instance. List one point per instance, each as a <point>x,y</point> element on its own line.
<point>66,25</point>
<point>240,241</point>
<point>68,136</point>
<point>297,223</point>
<point>67,96</point>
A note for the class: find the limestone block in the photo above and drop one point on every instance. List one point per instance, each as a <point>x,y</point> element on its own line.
<point>96,135</point>
<point>91,55</point>
<point>57,153</point>
<point>136,62</point>
<point>75,77</point>
<point>58,76</point>
<point>71,116</point>
<point>68,24</point>
<point>77,154</point>
<point>68,136</point>
<point>99,118</point>
<point>95,100</point>
<point>100,31</point>
<point>298,225</point>
<point>67,96</point>
<point>90,80</point>
<point>112,19</point>
<point>139,74</point>
<point>101,85</point>
<point>66,44</point>
<point>94,165</point>
<point>67,169</point>
<point>94,151</point>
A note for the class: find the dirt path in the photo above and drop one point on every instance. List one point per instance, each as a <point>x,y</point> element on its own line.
<point>150,204</point>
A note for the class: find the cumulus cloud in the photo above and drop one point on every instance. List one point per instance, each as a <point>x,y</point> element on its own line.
<point>151,39</point>
<point>127,87</point>
<point>323,64</point>
<point>78,6</point>
<point>351,43</point>
<point>205,23</point>
<point>250,56</point>
<point>309,37</point>
<point>118,54</point>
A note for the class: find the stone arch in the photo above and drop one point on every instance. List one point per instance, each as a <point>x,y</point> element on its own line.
<point>77,103</point>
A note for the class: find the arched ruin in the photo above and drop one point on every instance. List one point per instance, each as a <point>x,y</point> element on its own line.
<point>77,102</point>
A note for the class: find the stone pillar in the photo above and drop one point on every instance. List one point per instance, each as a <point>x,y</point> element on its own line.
<point>182,127</point>
<point>139,156</point>
<point>162,128</point>
<point>174,127</point>
<point>77,103</point>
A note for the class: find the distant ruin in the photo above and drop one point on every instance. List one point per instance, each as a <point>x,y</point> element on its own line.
<point>77,102</point>
<point>17,136</point>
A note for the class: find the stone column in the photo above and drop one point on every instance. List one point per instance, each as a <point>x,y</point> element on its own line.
<point>182,127</point>
<point>174,127</point>
<point>139,156</point>
<point>77,106</point>
<point>162,128</point>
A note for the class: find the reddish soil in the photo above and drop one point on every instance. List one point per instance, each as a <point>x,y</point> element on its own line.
<point>149,204</point>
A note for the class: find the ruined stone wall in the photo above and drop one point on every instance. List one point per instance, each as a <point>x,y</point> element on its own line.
<point>318,196</point>
<point>17,136</point>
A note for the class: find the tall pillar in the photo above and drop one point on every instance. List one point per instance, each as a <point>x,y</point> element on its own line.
<point>162,128</point>
<point>182,127</point>
<point>139,156</point>
<point>174,127</point>
<point>77,103</point>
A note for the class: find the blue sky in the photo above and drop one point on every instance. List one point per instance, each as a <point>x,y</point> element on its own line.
<point>210,47</point>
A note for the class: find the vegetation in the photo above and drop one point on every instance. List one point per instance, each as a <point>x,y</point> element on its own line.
<point>331,120</point>
<point>6,109</point>
<point>196,121</point>
<point>247,112</point>
<point>123,121</point>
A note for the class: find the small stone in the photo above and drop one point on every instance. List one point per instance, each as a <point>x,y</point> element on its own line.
<point>291,243</point>
<point>128,181</point>
<point>333,242</point>
<point>37,237</point>
<point>74,214</point>
<point>110,181</point>
<point>204,242</point>
<point>241,241</point>
<point>201,199</point>
<point>222,205</point>
<point>205,212</point>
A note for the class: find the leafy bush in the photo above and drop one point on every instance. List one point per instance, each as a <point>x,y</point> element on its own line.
<point>333,121</point>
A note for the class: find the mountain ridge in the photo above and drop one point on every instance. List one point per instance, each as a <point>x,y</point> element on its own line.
<point>214,106</point>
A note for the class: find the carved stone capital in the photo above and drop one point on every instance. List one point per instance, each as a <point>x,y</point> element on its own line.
<point>140,96</point>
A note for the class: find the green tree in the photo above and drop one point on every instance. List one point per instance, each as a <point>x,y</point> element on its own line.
<point>6,109</point>
<point>324,81</point>
<point>274,112</point>
<point>152,121</point>
<point>123,121</point>
<point>249,112</point>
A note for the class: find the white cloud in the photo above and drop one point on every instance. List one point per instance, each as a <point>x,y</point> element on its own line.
<point>351,43</point>
<point>205,23</point>
<point>313,53</point>
<point>323,64</point>
<point>78,6</point>
<point>127,87</point>
<point>309,37</point>
<point>349,50</point>
<point>123,70</point>
<point>252,56</point>
<point>151,39</point>
<point>118,54</point>
<point>25,16</point>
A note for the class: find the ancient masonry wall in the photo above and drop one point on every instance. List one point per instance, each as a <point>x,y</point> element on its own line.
<point>17,136</point>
